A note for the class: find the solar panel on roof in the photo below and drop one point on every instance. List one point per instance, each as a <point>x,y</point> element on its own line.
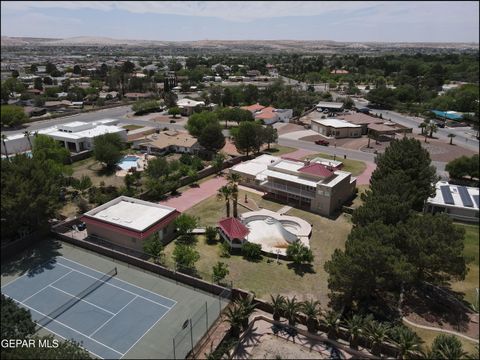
<point>475,197</point>
<point>465,196</point>
<point>447,195</point>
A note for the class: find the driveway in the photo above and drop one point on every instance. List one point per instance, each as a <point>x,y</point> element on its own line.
<point>193,196</point>
<point>296,135</point>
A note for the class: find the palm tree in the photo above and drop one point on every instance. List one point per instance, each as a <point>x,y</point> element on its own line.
<point>332,321</point>
<point>407,342</point>
<point>355,327</point>
<point>432,127</point>
<point>311,309</point>
<point>247,308</point>
<point>447,347</point>
<point>4,138</point>
<point>377,333</point>
<point>234,316</point>
<point>27,134</point>
<point>225,193</point>
<point>292,309</point>
<point>451,136</point>
<point>278,305</point>
<point>233,180</point>
<point>422,126</point>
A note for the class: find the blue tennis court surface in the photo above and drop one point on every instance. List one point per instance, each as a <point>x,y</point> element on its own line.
<point>108,321</point>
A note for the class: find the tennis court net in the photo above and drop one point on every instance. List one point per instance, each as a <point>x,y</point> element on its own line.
<point>75,299</point>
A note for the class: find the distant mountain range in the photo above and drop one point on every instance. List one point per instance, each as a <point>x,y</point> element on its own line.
<point>246,45</point>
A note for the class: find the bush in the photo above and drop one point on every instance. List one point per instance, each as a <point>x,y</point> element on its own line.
<point>252,252</point>
<point>224,250</point>
<point>210,234</point>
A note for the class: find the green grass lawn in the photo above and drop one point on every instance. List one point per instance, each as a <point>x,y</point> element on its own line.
<point>278,150</point>
<point>93,169</point>
<point>354,166</point>
<point>267,276</point>
<point>470,251</point>
<point>132,127</point>
<point>429,335</point>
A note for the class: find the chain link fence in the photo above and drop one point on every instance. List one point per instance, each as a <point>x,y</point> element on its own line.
<point>198,325</point>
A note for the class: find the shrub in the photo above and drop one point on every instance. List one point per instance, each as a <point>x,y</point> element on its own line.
<point>210,234</point>
<point>224,250</point>
<point>252,252</point>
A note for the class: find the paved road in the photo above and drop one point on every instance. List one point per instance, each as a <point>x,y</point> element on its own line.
<point>349,153</point>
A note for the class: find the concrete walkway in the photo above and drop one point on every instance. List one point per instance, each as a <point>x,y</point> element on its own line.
<point>193,196</point>
<point>364,178</point>
<point>404,319</point>
<point>284,209</point>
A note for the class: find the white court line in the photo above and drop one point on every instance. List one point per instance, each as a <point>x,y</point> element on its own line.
<point>88,302</point>
<point>52,282</point>
<point>126,282</point>
<point>113,316</point>
<point>145,333</point>
<point>68,327</point>
<point>118,287</point>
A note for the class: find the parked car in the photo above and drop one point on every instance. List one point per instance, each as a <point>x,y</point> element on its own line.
<point>322,142</point>
<point>82,226</point>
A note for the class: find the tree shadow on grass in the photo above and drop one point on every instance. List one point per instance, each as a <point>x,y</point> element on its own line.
<point>106,171</point>
<point>438,308</point>
<point>301,269</point>
<point>34,260</point>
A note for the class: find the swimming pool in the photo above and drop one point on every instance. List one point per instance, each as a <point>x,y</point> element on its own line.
<point>128,162</point>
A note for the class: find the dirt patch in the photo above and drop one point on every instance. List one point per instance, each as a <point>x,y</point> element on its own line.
<point>288,128</point>
<point>441,150</point>
<point>273,347</point>
<point>422,311</point>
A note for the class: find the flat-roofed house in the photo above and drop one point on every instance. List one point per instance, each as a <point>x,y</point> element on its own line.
<point>336,128</point>
<point>329,106</point>
<point>309,184</point>
<point>188,106</point>
<point>458,202</point>
<point>128,222</point>
<point>76,136</point>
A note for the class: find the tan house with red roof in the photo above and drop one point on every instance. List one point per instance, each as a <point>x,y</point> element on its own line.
<point>268,114</point>
<point>314,184</point>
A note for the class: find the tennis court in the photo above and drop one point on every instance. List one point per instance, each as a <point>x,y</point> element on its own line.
<point>75,294</point>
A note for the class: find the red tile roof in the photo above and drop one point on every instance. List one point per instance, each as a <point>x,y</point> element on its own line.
<point>316,169</point>
<point>253,108</point>
<point>233,228</point>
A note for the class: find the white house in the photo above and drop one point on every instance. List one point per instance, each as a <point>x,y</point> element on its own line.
<point>458,202</point>
<point>76,136</point>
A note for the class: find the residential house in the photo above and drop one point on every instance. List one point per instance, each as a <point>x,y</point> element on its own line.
<point>307,184</point>
<point>458,202</point>
<point>129,222</point>
<point>268,114</point>
<point>167,142</point>
<point>188,106</point>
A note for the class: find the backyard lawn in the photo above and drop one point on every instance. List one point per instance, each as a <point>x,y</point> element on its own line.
<point>429,335</point>
<point>354,166</point>
<point>93,169</point>
<point>267,276</point>
<point>469,285</point>
<point>278,150</point>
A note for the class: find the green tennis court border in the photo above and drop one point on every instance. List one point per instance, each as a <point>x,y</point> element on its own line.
<point>158,342</point>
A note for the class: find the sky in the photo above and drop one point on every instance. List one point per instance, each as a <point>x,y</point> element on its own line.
<point>382,21</point>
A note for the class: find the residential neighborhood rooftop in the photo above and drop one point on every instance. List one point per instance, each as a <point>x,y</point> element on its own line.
<point>131,213</point>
